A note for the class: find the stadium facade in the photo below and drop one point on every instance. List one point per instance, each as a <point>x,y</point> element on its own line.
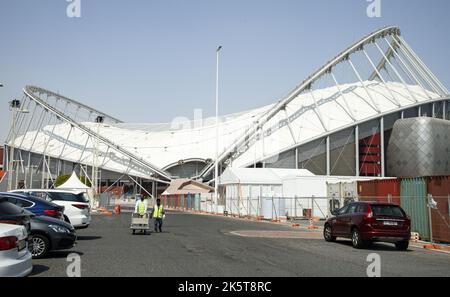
<point>338,121</point>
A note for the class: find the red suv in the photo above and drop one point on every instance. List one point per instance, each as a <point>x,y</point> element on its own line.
<point>367,222</point>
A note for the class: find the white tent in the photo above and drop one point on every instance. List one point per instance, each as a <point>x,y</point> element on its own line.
<point>256,191</point>
<point>73,183</point>
<point>259,176</point>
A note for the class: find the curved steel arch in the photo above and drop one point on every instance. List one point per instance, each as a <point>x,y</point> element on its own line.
<point>309,81</point>
<point>34,89</point>
<point>28,91</point>
<point>190,160</point>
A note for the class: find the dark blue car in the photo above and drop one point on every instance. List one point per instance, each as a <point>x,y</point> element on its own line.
<point>36,205</point>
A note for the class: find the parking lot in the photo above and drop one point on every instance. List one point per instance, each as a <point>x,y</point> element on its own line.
<point>200,245</point>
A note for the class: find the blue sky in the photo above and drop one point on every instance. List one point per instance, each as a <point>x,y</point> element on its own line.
<point>151,61</point>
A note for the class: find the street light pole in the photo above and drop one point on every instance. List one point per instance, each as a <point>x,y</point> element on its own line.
<point>95,184</point>
<point>14,105</point>
<point>216,165</point>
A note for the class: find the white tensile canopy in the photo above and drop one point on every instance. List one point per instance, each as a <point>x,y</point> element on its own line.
<point>73,183</point>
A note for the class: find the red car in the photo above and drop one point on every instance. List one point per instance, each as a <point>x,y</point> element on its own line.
<point>367,222</point>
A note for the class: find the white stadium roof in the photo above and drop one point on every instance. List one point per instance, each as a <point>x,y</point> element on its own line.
<point>374,77</point>
<point>163,148</point>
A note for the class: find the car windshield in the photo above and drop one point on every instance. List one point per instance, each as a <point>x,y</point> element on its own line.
<point>68,197</point>
<point>387,210</point>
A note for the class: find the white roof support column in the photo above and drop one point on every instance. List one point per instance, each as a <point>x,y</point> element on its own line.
<point>65,142</point>
<point>290,130</point>
<point>394,100</point>
<point>424,67</point>
<point>415,65</point>
<point>29,124</point>
<point>374,106</point>
<point>397,73</point>
<point>84,149</point>
<point>48,141</point>
<point>357,167</point>
<point>317,111</point>
<point>21,117</point>
<point>408,71</point>
<point>444,110</point>
<point>40,121</point>
<point>328,156</point>
<point>347,110</point>
<point>383,161</point>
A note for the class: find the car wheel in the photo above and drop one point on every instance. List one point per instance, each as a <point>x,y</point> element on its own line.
<point>328,234</point>
<point>357,241</point>
<point>133,231</point>
<point>402,245</point>
<point>39,246</point>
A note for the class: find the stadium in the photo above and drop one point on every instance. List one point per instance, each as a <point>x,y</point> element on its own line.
<point>337,122</point>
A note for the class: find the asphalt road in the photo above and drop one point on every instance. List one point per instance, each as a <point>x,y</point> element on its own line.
<point>198,245</point>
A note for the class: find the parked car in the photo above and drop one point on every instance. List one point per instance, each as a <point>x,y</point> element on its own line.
<point>15,258</point>
<point>50,234</point>
<point>36,205</point>
<point>77,210</point>
<point>14,215</point>
<point>367,222</point>
<point>45,233</point>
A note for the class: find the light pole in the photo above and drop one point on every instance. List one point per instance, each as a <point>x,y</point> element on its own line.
<point>216,165</point>
<point>14,106</point>
<point>99,120</point>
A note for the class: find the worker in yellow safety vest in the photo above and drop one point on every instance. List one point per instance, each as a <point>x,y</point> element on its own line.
<point>141,205</point>
<point>158,214</point>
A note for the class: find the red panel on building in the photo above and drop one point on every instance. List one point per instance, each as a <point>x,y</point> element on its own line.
<point>370,169</point>
<point>371,159</point>
<point>370,156</point>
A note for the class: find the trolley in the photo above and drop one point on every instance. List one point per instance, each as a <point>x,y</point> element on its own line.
<point>140,222</point>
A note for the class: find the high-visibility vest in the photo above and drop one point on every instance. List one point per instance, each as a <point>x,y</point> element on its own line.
<point>158,212</point>
<point>141,208</point>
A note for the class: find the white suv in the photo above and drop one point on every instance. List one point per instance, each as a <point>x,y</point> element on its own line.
<point>77,210</point>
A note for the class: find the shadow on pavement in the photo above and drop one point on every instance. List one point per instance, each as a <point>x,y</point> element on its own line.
<point>38,269</point>
<point>86,237</point>
<point>61,254</point>
<point>376,246</point>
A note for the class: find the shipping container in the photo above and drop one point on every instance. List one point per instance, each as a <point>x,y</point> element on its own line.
<point>413,199</point>
<point>388,190</point>
<point>349,192</point>
<point>439,188</point>
<point>367,190</point>
<point>380,190</point>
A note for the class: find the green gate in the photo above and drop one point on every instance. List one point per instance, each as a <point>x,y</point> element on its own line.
<point>413,194</point>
